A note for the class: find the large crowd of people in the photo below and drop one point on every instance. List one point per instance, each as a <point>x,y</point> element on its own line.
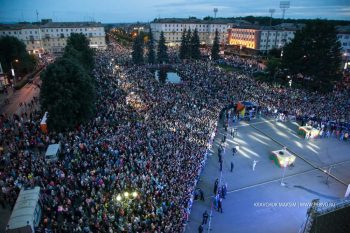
<point>147,137</point>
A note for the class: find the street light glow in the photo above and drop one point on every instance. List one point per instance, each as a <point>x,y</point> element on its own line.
<point>134,194</point>
<point>126,194</point>
<point>119,198</point>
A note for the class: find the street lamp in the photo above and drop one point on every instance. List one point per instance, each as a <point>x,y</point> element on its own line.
<point>13,70</point>
<point>286,163</point>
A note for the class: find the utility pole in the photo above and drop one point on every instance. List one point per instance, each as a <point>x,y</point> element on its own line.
<point>268,31</point>
<point>284,5</point>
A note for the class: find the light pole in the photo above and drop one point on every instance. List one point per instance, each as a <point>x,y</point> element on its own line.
<point>328,174</point>
<point>286,163</point>
<point>124,198</point>
<point>13,70</point>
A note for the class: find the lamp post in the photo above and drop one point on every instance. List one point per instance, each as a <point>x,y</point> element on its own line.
<point>286,163</point>
<point>125,198</point>
<point>13,70</point>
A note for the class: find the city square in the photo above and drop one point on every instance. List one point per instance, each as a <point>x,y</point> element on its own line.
<point>174,117</point>
<point>247,189</point>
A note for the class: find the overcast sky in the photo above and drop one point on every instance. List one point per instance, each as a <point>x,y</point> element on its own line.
<point>108,11</point>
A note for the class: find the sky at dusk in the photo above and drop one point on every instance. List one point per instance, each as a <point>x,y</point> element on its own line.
<point>108,11</point>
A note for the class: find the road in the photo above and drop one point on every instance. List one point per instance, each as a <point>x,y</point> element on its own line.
<point>24,95</point>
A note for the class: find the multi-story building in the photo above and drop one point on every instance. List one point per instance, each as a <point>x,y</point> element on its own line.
<point>173,29</point>
<point>49,36</point>
<point>262,38</point>
<point>344,38</point>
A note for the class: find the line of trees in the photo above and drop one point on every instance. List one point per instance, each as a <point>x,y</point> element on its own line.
<point>139,45</point>
<point>190,43</point>
<point>68,90</point>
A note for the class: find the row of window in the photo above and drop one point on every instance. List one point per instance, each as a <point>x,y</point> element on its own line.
<point>180,30</point>
<point>343,36</point>
<point>277,41</point>
<point>197,25</point>
<point>278,33</point>
<point>35,31</point>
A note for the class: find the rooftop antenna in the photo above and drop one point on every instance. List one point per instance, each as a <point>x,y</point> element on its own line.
<point>215,12</point>
<point>271,13</point>
<point>284,5</point>
<point>37,15</point>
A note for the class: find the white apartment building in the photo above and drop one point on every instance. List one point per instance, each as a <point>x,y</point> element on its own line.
<point>344,39</point>
<point>262,38</point>
<point>173,30</point>
<point>51,37</point>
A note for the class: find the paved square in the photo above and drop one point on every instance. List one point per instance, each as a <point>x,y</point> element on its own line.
<point>256,200</point>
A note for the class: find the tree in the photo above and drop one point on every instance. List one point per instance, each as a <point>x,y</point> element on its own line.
<point>273,66</point>
<point>216,47</point>
<point>151,53</point>
<point>315,52</point>
<point>137,50</point>
<point>184,45</point>
<point>188,44</point>
<point>195,43</point>
<point>275,52</point>
<point>84,54</point>
<point>67,94</point>
<point>12,49</point>
<point>162,53</point>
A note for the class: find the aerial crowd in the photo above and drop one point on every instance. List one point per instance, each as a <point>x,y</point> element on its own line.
<point>147,138</point>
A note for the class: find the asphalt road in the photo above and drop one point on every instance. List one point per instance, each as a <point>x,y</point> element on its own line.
<point>24,95</point>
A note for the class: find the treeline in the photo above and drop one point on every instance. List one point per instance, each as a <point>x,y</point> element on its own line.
<point>189,48</point>
<point>68,90</point>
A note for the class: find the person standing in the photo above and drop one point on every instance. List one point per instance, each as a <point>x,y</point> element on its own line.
<point>232,166</point>
<point>221,165</point>
<point>234,151</point>
<point>220,205</point>
<point>223,190</point>
<point>200,229</point>
<point>205,218</point>
<point>201,194</point>
<point>216,186</point>
<point>254,164</point>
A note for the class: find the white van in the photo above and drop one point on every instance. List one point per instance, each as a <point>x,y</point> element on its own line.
<point>26,214</point>
<point>52,152</point>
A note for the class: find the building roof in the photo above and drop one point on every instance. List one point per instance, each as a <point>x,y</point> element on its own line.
<point>286,27</point>
<point>200,21</point>
<point>71,24</point>
<point>48,24</point>
<point>343,29</point>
